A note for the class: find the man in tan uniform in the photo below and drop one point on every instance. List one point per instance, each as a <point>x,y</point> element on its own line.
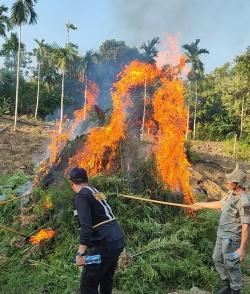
<point>232,234</point>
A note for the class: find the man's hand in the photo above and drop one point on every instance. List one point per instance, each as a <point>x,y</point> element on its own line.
<point>242,253</point>
<point>80,260</point>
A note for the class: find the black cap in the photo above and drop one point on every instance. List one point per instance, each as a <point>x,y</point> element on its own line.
<point>78,175</point>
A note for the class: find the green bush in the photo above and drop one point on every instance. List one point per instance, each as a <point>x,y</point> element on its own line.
<point>169,252</point>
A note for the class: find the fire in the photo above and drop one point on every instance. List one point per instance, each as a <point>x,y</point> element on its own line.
<point>58,141</point>
<point>56,145</point>
<point>170,113</point>
<point>167,125</point>
<point>100,140</point>
<point>41,236</point>
<point>101,144</point>
<point>92,94</point>
<point>171,56</point>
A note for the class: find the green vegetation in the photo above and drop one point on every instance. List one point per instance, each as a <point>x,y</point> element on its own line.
<point>170,249</point>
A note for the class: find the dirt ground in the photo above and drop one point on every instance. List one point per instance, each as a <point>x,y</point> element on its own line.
<point>212,165</point>
<point>23,148</point>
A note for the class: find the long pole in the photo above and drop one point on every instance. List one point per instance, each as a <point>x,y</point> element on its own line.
<point>144,109</point>
<point>17,76</point>
<point>235,142</point>
<point>13,231</point>
<point>14,199</point>
<point>85,96</point>
<point>38,89</point>
<point>155,201</point>
<point>242,116</point>
<point>195,109</point>
<point>62,98</point>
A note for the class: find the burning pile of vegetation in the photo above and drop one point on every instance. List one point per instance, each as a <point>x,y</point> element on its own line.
<point>163,116</point>
<point>139,149</point>
<point>165,248</point>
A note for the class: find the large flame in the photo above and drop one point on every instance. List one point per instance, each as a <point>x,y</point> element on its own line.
<point>101,144</point>
<point>167,126</point>
<point>57,143</point>
<point>170,113</point>
<point>92,94</point>
<point>41,236</point>
<point>170,55</point>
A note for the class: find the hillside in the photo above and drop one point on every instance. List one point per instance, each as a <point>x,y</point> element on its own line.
<point>154,234</point>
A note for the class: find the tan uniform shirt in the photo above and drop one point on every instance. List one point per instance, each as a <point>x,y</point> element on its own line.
<point>235,212</point>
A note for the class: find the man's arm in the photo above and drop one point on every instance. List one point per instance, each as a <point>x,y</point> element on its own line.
<point>85,219</point>
<point>210,205</point>
<point>245,220</point>
<point>244,241</point>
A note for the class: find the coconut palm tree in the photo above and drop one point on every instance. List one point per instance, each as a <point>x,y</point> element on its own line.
<point>5,23</point>
<point>70,26</point>
<point>22,12</point>
<point>62,58</point>
<point>193,53</point>
<point>40,55</point>
<point>150,50</point>
<point>10,51</point>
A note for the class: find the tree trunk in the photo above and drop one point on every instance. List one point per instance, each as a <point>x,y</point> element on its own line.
<point>195,109</point>
<point>68,36</point>
<point>188,114</point>
<point>85,97</point>
<point>62,99</point>
<point>242,116</point>
<point>144,110</point>
<point>17,76</point>
<point>38,89</point>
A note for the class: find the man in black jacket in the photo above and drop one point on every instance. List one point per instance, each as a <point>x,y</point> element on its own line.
<point>100,234</point>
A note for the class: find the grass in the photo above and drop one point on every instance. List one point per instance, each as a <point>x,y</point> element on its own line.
<point>171,251</point>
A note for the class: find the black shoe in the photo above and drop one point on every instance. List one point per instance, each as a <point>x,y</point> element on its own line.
<point>226,289</point>
<point>236,291</point>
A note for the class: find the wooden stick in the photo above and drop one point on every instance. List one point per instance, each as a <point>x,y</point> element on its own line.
<point>34,124</point>
<point>36,230</point>
<point>5,128</point>
<point>13,199</point>
<point>155,201</point>
<point>13,231</point>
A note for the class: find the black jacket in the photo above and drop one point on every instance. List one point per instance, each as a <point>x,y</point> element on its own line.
<point>90,212</point>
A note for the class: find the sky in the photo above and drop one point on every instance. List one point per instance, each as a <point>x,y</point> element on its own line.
<point>221,25</point>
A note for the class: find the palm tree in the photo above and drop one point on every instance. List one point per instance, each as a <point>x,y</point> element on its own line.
<point>22,12</point>
<point>63,57</point>
<point>10,50</point>
<point>70,26</point>
<point>193,53</point>
<point>40,55</point>
<point>88,59</point>
<point>5,23</point>
<point>150,50</point>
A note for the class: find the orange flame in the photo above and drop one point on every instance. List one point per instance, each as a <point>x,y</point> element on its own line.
<point>170,55</point>
<point>170,113</point>
<point>101,144</point>
<point>92,94</point>
<point>56,145</point>
<point>167,126</point>
<point>41,236</point>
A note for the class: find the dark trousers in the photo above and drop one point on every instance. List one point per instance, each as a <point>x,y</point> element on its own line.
<point>95,275</point>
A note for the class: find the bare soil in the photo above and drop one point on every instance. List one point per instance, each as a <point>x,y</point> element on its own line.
<point>21,149</point>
